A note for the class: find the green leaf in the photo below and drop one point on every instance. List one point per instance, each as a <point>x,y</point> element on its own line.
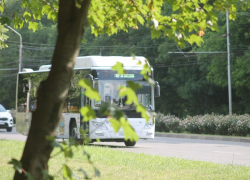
<point>84,172</point>
<point>144,113</point>
<point>46,9</point>
<point>93,94</point>
<point>17,22</point>
<point>90,92</point>
<point>29,176</point>
<point>104,108</point>
<point>88,156</point>
<point>129,132</point>
<point>17,165</point>
<point>134,86</point>
<point>175,6</point>
<point>116,112</point>
<point>204,1</point>
<point>233,11</point>
<point>155,33</point>
<point>146,70</point>
<point>27,16</point>
<point>85,83</point>
<point>5,20</point>
<point>68,153</point>
<point>53,142</point>
<point>67,173</point>
<point>1,8</point>
<point>33,26</point>
<point>47,176</point>
<point>56,144</point>
<point>97,172</point>
<point>140,19</point>
<point>195,39</point>
<point>115,124</point>
<point>52,15</point>
<point>88,113</point>
<point>151,81</point>
<point>130,93</point>
<point>208,7</point>
<point>119,68</point>
<point>50,138</point>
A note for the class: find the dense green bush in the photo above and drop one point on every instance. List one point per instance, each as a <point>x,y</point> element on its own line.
<point>168,123</point>
<point>160,125</point>
<point>238,125</point>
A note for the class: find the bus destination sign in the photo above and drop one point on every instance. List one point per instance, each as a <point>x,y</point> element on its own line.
<point>128,76</point>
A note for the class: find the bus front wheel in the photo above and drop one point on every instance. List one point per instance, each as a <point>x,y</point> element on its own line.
<point>129,143</point>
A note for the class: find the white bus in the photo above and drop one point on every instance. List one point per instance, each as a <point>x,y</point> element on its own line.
<point>99,70</point>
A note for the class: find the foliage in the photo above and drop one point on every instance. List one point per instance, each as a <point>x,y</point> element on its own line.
<point>237,125</point>
<point>3,36</point>
<point>182,25</point>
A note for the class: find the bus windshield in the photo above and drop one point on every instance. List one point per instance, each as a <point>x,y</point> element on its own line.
<point>108,89</point>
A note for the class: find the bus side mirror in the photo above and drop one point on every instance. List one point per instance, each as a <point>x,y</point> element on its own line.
<point>157,89</point>
<point>89,76</point>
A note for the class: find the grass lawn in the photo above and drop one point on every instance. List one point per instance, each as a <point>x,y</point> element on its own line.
<point>114,164</point>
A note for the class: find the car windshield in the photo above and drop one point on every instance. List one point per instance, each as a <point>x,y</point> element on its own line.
<point>109,92</point>
<point>2,109</point>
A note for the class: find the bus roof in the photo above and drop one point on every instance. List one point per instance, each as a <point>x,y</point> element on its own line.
<point>103,62</point>
<point>44,67</point>
<point>109,61</point>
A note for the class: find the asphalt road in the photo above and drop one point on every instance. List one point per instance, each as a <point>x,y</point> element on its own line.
<point>12,135</point>
<point>226,152</point>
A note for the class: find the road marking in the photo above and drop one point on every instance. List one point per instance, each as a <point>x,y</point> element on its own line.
<point>227,152</point>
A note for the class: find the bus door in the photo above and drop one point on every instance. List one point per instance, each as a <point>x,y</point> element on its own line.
<point>84,102</point>
<point>23,115</point>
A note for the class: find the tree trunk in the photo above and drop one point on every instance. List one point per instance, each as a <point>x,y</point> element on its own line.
<point>51,95</point>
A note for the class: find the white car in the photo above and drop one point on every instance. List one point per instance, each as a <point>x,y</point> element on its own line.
<point>6,120</point>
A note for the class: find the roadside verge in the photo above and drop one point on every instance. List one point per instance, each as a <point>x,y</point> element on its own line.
<point>204,137</point>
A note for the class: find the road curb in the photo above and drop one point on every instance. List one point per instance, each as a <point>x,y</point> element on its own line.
<point>204,137</point>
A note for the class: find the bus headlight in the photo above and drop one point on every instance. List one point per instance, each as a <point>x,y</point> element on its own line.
<point>148,125</point>
<point>99,125</point>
